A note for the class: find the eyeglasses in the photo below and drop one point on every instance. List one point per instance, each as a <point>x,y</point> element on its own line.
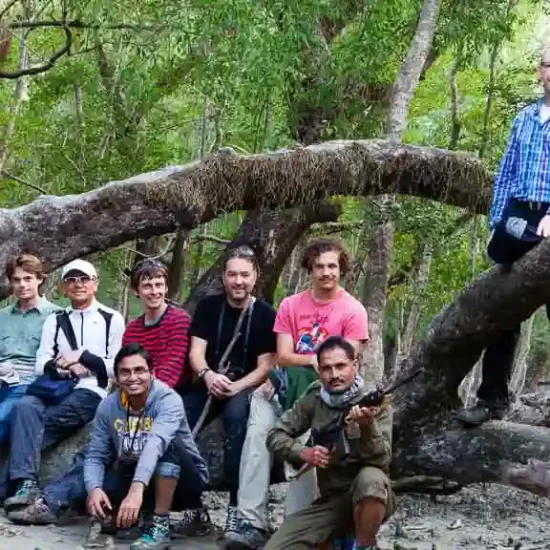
<point>78,280</point>
<point>126,374</point>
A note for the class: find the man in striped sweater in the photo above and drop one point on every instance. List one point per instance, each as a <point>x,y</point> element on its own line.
<point>162,329</point>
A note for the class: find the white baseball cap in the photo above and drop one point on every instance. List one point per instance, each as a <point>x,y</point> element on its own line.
<point>80,265</point>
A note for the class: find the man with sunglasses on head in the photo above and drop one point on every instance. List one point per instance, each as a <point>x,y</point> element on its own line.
<point>78,344</point>
<point>519,220</point>
<point>251,357</point>
<point>162,329</point>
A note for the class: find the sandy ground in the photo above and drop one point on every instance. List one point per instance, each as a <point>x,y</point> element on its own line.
<point>479,517</point>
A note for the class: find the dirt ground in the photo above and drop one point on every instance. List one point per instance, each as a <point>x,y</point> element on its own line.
<point>479,517</point>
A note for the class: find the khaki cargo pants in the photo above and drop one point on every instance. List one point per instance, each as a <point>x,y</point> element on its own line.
<point>331,517</point>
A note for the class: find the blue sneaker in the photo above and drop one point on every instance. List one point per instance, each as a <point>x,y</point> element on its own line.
<point>155,536</point>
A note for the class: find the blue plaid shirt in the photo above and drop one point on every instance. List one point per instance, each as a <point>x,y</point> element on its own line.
<point>525,168</point>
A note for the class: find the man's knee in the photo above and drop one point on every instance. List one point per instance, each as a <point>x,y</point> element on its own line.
<point>28,404</point>
<point>373,483</point>
<point>262,416</point>
<point>169,464</point>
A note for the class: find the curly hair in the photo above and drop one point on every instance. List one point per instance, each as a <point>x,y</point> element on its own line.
<point>314,249</point>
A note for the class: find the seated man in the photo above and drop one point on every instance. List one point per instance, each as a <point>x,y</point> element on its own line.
<point>250,359</point>
<point>139,430</point>
<point>20,330</point>
<point>355,489</point>
<point>163,330</point>
<point>77,344</point>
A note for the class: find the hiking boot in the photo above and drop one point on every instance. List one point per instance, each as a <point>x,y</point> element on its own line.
<point>37,513</point>
<point>194,523</point>
<point>155,536</point>
<point>246,536</point>
<point>231,521</point>
<point>109,527</point>
<point>27,492</point>
<point>481,412</point>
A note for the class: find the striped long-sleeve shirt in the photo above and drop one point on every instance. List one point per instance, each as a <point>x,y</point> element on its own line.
<point>525,168</point>
<point>167,341</point>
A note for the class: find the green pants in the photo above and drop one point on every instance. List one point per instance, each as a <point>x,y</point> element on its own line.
<point>332,516</point>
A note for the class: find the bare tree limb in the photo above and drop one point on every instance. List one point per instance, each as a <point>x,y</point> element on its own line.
<point>22,182</point>
<point>11,75</point>
<point>211,238</point>
<point>77,24</point>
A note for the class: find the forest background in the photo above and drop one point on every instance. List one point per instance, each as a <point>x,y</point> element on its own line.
<point>142,85</point>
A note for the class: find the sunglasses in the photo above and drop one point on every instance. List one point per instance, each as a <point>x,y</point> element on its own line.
<point>241,252</point>
<point>78,280</point>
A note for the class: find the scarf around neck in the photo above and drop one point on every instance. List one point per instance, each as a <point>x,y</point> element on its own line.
<point>341,400</point>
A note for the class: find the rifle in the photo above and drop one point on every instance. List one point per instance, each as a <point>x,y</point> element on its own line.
<point>334,436</point>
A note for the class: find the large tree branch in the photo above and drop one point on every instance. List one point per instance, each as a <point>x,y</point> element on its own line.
<point>12,75</point>
<point>499,299</point>
<point>59,229</point>
<point>77,24</point>
<point>497,452</point>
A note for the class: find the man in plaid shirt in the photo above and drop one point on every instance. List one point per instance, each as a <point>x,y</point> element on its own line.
<point>519,220</point>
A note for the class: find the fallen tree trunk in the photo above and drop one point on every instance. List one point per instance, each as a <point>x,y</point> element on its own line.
<point>59,229</point>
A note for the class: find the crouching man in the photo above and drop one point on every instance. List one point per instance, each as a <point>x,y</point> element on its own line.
<point>139,431</point>
<point>354,485</point>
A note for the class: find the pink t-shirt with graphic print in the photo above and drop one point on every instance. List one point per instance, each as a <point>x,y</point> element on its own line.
<point>310,322</point>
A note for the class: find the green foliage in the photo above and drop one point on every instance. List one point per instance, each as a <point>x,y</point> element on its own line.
<point>183,78</point>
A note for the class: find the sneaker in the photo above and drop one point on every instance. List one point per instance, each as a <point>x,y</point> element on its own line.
<point>231,521</point>
<point>194,523</point>
<point>481,412</point>
<point>27,492</point>
<point>37,513</point>
<point>246,536</point>
<point>155,536</point>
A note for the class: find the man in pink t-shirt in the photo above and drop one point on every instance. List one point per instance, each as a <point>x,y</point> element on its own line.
<point>303,322</point>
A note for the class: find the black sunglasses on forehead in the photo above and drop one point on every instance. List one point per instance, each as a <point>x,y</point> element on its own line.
<point>241,251</point>
<point>148,263</point>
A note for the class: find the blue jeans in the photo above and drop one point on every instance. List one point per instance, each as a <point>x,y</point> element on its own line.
<point>69,491</point>
<point>234,411</point>
<point>35,427</point>
<point>9,397</point>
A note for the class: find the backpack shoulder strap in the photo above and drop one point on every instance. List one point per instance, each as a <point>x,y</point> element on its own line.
<point>107,317</point>
<point>64,324</point>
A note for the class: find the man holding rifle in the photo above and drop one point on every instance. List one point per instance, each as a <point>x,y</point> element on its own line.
<point>232,351</point>
<point>352,469</point>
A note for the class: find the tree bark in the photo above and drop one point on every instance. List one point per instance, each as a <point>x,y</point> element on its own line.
<point>177,264</point>
<point>181,197</point>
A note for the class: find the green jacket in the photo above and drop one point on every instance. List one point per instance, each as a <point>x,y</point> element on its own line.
<point>370,447</point>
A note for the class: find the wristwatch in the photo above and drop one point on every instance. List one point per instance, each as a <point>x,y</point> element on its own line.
<point>203,372</point>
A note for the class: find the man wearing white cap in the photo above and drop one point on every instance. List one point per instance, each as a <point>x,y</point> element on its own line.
<point>73,364</point>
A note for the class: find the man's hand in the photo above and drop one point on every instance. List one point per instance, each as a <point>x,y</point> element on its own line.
<point>78,370</point>
<point>218,384</point>
<point>544,227</point>
<point>362,415</point>
<point>68,358</point>
<point>97,503</point>
<point>128,512</point>
<point>317,456</point>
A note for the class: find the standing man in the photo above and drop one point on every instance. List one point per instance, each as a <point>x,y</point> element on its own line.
<point>20,331</point>
<point>354,484</point>
<point>77,343</point>
<point>249,362</point>
<point>140,446</point>
<point>162,329</point>
<point>519,220</point>
<point>303,323</point>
